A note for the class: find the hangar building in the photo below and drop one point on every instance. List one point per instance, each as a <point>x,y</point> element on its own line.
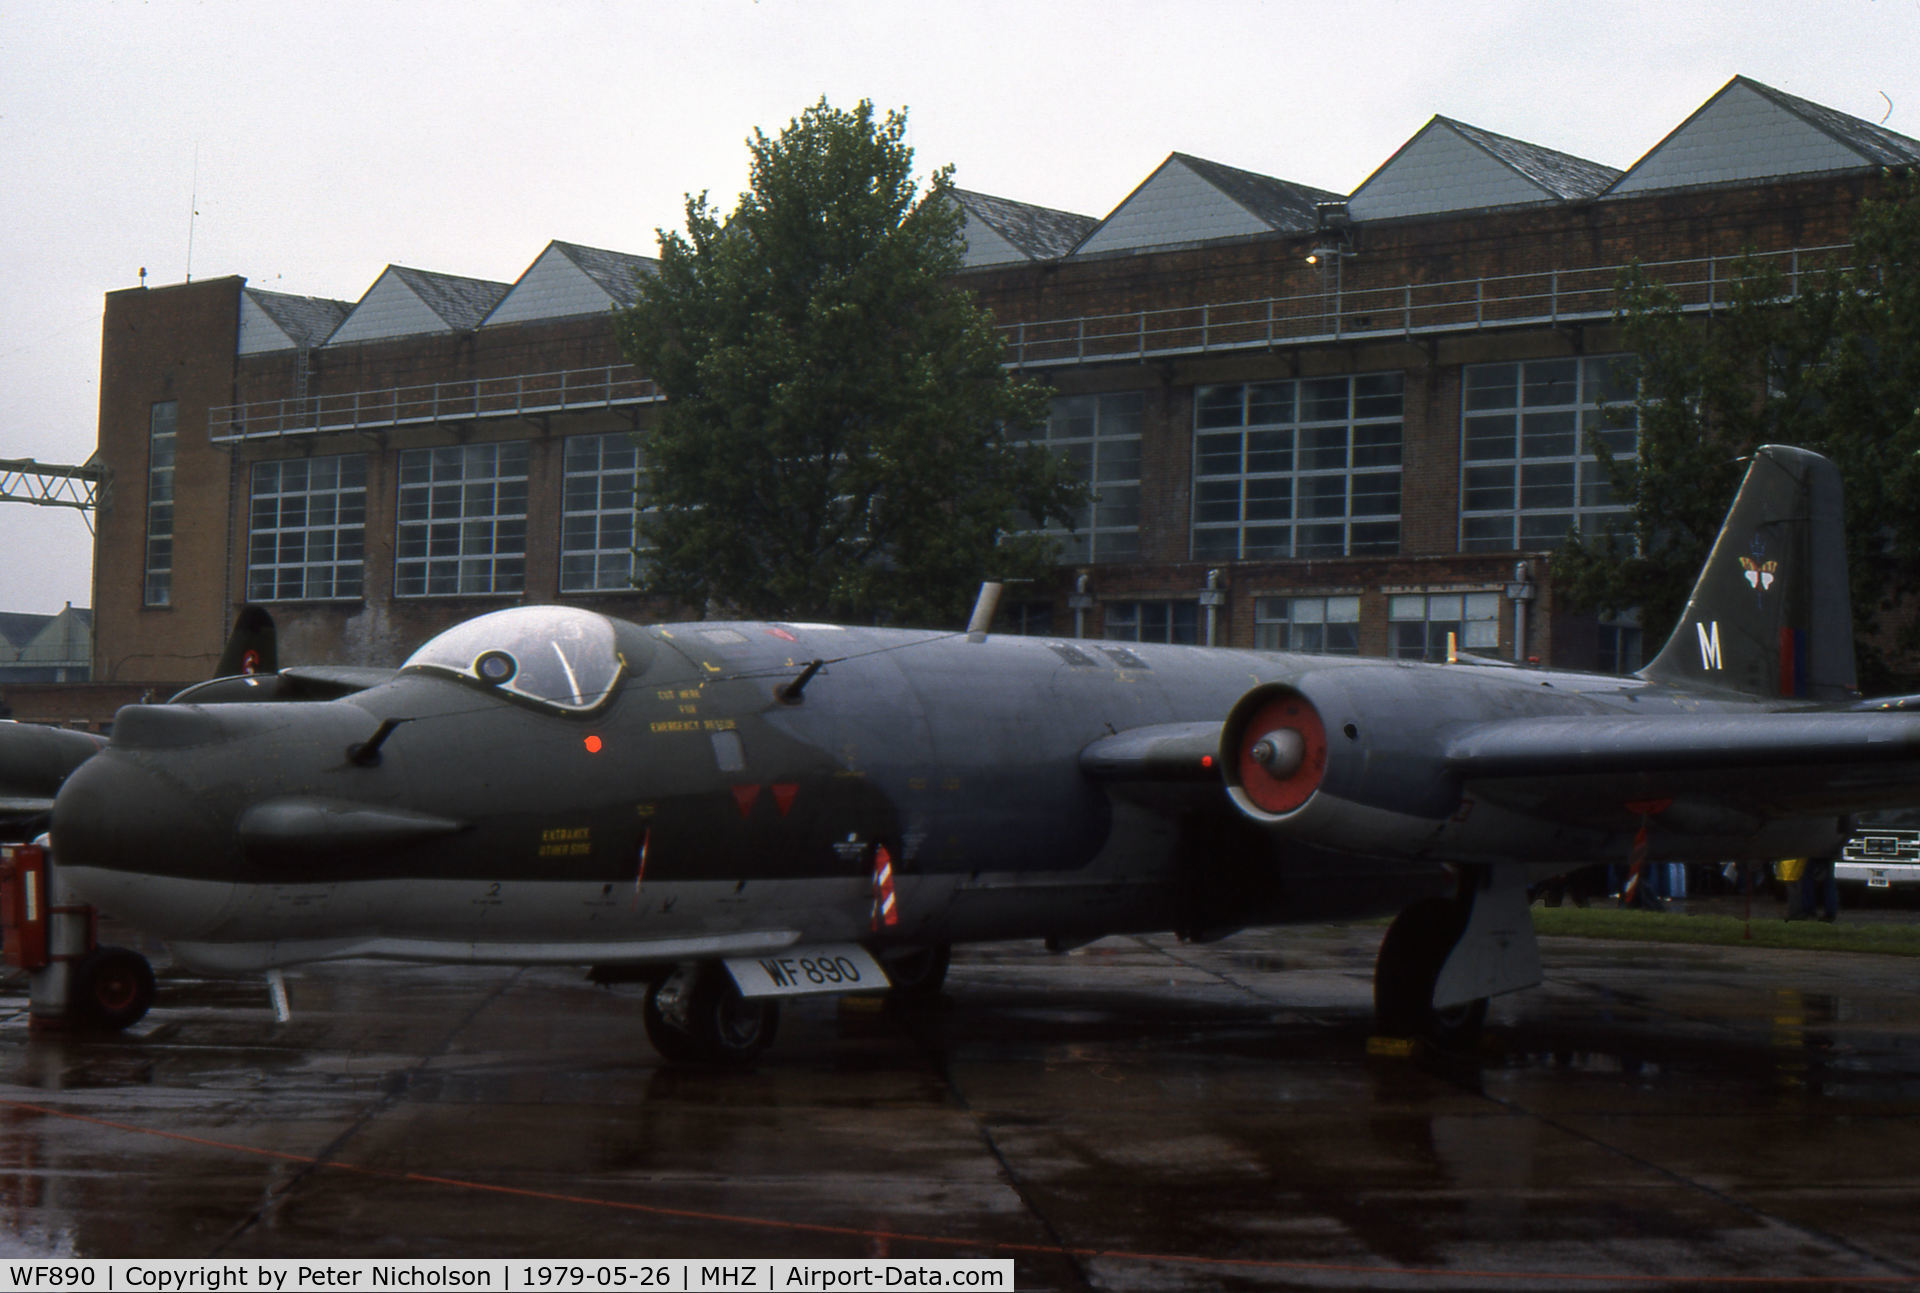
<point>1320,421</point>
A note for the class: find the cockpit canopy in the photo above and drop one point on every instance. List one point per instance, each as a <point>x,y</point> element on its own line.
<point>559,657</point>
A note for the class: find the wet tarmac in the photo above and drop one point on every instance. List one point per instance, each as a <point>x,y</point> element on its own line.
<point>1137,1114</point>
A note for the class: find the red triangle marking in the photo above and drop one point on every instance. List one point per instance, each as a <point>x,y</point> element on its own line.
<point>745,797</point>
<point>783,795</point>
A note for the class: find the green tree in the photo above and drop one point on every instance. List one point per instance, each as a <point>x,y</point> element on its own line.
<point>1824,358</point>
<point>839,438</point>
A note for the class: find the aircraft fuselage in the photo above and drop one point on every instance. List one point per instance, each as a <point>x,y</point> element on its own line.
<point>698,810</point>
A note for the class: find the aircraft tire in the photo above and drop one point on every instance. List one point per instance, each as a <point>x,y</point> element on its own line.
<point>720,1026</point>
<point>1416,946</point>
<point>112,989</point>
<point>918,976</point>
<point>671,1042</point>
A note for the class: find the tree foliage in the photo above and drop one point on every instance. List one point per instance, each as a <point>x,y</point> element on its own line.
<point>1827,358</point>
<point>839,439</point>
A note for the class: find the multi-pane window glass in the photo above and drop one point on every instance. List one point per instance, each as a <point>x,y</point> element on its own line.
<point>306,532</point>
<point>1419,623</point>
<point>1157,621</point>
<point>1528,474</point>
<point>1297,469</point>
<point>1099,437</point>
<point>1620,644</point>
<point>463,520</point>
<point>163,425</point>
<point>1316,625</point>
<point>599,492</point>
<point>1028,619</point>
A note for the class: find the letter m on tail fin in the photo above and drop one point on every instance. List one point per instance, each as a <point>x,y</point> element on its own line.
<point>1770,615</point>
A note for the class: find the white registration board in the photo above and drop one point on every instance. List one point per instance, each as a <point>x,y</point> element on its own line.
<point>807,971</point>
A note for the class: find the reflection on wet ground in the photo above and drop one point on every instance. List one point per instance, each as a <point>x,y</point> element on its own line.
<point>1137,1114</point>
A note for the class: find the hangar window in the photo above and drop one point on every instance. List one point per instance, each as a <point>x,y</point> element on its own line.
<point>1528,472</point>
<point>1314,625</point>
<point>1304,468</point>
<point>1027,619</point>
<point>463,521</point>
<point>599,491</point>
<point>1420,623</point>
<point>1099,437</point>
<point>163,424</point>
<point>306,529</point>
<point>1618,644</point>
<point>1157,621</point>
<point>551,655</point>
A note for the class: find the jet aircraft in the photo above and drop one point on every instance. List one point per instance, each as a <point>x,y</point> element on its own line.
<point>34,761</point>
<point>731,812</point>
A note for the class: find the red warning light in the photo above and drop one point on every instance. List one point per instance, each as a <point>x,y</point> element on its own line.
<point>1206,760</point>
<point>593,744</point>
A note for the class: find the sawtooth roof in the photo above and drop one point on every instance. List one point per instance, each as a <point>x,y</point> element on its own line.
<point>615,271</point>
<point>1040,233</point>
<point>1282,205</point>
<point>1876,145</point>
<point>307,320</point>
<point>462,302</point>
<point>1561,174</point>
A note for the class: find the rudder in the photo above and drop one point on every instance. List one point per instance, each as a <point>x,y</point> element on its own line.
<point>1770,615</point>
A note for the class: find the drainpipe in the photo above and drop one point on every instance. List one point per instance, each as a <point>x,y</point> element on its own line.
<point>1520,592</point>
<point>1213,597</point>
<point>1081,601</point>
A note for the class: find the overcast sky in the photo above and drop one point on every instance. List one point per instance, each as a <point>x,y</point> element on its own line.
<point>320,143</point>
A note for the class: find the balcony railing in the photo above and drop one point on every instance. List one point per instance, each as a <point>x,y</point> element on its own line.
<point>1336,313</point>
<point>1340,313</point>
<point>521,395</point>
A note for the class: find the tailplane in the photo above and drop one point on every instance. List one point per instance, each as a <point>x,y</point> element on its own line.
<point>1771,615</point>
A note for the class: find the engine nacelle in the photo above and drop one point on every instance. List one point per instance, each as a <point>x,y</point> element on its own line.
<point>1274,752</point>
<point>1345,758</point>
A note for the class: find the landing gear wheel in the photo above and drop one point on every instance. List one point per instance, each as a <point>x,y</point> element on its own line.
<point>1416,946</point>
<point>112,989</point>
<point>697,1016</point>
<point>918,976</point>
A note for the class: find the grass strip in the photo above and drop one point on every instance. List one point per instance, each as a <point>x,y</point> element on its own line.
<point>1727,931</point>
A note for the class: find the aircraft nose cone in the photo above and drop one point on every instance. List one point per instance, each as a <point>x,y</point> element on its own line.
<point>122,829</point>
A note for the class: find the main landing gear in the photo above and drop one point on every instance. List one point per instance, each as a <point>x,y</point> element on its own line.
<point>917,976</point>
<point>696,1015</point>
<point>1443,958</point>
<point>1416,946</point>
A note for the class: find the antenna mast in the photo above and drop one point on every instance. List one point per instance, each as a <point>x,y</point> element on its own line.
<point>193,208</point>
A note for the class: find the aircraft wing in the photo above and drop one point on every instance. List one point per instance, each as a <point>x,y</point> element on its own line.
<point>1588,768</point>
<point>1763,764</point>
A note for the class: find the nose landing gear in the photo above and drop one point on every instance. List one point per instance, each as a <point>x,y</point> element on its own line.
<point>74,982</point>
<point>112,989</point>
<point>696,1015</point>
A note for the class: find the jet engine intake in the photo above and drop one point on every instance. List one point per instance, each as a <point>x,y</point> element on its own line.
<point>1274,752</point>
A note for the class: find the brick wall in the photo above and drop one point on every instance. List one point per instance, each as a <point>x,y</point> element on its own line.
<point>179,343</point>
<point>166,343</point>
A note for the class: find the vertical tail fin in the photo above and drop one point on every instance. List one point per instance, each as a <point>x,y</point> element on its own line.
<point>1770,615</point>
<point>252,647</point>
